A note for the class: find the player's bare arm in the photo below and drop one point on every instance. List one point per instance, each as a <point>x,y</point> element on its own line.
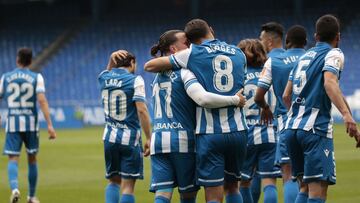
<point>287,94</point>
<point>115,57</point>
<point>332,89</point>
<point>44,106</point>
<point>266,114</point>
<point>158,64</point>
<point>144,118</point>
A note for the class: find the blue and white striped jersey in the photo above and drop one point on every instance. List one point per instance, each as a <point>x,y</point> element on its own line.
<point>219,68</point>
<point>19,88</point>
<point>276,73</point>
<point>311,106</point>
<point>174,113</point>
<point>257,133</point>
<point>120,90</point>
<point>275,52</point>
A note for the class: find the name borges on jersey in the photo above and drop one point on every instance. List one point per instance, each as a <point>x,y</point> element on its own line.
<point>222,48</point>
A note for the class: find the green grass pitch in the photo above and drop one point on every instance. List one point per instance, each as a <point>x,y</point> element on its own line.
<point>71,169</point>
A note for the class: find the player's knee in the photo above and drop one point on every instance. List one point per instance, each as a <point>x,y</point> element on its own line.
<point>115,180</point>
<point>32,158</point>
<point>128,186</point>
<point>188,195</point>
<point>164,193</point>
<point>268,181</point>
<point>318,189</point>
<point>286,172</point>
<point>231,187</point>
<point>245,183</point>
<point>14,158</point>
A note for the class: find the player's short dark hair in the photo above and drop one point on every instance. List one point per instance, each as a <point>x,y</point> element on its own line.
<point>166,39</point>
<point>125,62</point>
<point>274,28</point>
<point>196,29</point>
<point>296,35</point>
<point>254,51</point>
<point>327,27</point>
<point>24,55</point>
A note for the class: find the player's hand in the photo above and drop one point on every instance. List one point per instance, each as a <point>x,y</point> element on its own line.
<point>266,115</point>
<point>116,56</point>
<point>52,133</point>
<point>350,124</point>
<point>242,98</point>
<point>357,139</point>
<point>147,148</point>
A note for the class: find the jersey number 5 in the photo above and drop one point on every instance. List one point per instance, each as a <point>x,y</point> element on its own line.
<point>300,76</point>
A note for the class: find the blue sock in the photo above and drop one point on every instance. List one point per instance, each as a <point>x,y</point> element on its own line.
<point>32,178</point>
<point>256,188</point>
<point>112,193</point>
<point>246,194</point>
<point>127,198</point>
<point>234,198</point>
<point>315,200</point>
<point>270,194</point>
<point>302,198</point>
<point>291,190</point>
<point>13,174</point>
<point>188,200</point>
<point>161,199</point>
<point>213,202</point>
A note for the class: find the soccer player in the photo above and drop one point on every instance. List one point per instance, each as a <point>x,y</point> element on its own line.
<point>221,140</point>
<point>271,37</point>
<point>123,97</point>
<point>314,84</point>
<point>173,158</point>
<point>261,147</point>
<point>275,75</point>
<point>22,89</point>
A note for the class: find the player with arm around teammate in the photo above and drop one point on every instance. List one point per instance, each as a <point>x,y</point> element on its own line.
<point>275,76</point>
<point>173,158</point>
<point>22,89</point>
<point>262,140</point>
<point>314,86</point>
<point>221,132</point>
<point>123,98</point>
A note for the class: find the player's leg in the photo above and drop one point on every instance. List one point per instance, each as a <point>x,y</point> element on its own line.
<point>256,188</point>
<point>247,173</point>
<point>162,178</point>
<point>235,155</point>
<point>210,165</point>
<point>268,172</point>
<point>290,187</point>
<point>31,141</point>
<point>113,165</point>
<point>12,148</point>
<point>184,165</point>
<point>319,165</point>
<point>296,155</point>
<point>131,169</point>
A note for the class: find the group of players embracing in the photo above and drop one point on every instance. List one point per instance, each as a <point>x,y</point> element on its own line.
<point>228,118</point>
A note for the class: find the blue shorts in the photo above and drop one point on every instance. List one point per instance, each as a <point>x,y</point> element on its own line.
<point>282,154</point>
<point>14,142</point>
<point>260,158</point>
<point>312,156</point>
<point>220,157</point>
<point>123,160</point>
<point>172,170</point>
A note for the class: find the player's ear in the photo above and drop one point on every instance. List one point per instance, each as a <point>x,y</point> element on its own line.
<point>316,36</point>
<point>172,49</point>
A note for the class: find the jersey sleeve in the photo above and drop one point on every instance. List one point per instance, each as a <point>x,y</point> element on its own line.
<point>188,78</point>
<point>139,90</point>
<point>40,85</point>
<point>180,60</point>
<point>1,86</point>
<point>202,97</point>
<point>265,80</point>
<point>334,62</point>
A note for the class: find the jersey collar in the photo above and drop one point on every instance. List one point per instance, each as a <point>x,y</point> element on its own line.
<point>323,44</point>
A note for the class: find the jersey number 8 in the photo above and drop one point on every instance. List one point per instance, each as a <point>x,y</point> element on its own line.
<point>223,78</point>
